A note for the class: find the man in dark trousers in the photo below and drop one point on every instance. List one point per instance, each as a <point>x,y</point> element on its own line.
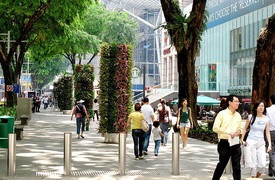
<point>228,126</point>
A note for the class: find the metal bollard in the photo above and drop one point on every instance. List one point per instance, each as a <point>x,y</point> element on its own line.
<point>11,155</point>
<point>122,154</point>
<point>67,153</point>
<point>175,154</point>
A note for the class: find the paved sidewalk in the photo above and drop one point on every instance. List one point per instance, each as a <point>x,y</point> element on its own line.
<point>40,155</point>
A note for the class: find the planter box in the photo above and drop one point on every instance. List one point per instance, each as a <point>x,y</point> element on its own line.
<point>111,138</point>
<point>66,111</point>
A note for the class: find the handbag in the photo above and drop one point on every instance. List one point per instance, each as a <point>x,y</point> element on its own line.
<point>246,133</point>
<point>87,125</point>
<point>145,125</point>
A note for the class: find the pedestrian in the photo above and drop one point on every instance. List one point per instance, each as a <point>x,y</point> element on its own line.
<point>38,103</point>
<point>254,151</point>
<point>157,136</point>
<point>184,122</point>
<point>228,126</point>
<point>148,112</point>
<point>80,113</point>
<point>34,103</point>
<point>45,101</point>
<point>96,108</point>
<point>164,116</point>
<point>270,112</point>
<point>135,119</point>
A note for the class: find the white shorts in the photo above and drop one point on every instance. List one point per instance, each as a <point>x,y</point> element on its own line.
<point>183,125</point>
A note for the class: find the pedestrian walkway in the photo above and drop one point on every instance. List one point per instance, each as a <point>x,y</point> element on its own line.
<point>40,155</point>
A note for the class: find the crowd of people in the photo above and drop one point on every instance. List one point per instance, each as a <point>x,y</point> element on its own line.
<point>160,122</point>
<point>259,127</point>
<point>39,100</point>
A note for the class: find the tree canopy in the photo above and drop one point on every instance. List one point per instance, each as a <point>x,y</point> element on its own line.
<point>45,71</point>
<point>88,30</point>
<point>28,21</point>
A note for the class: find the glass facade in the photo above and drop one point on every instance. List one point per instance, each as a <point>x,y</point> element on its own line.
<point>228,46</point>
<point>146,52</point>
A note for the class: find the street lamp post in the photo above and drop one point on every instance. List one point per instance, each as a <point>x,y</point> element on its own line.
<point>144,80</point>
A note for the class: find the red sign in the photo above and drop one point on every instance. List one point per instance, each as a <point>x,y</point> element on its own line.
<point>246,100</point>
<point>9,88</point>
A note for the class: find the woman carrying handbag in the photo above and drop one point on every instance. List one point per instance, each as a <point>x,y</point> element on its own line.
<point>254,151</point>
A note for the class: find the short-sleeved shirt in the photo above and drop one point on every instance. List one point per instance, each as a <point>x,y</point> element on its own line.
<point>148,111</point>
<point>156,133</point>
<point>136,119</point>
<point>257,129</point>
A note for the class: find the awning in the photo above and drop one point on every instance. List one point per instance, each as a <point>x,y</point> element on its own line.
<point>203,101</point>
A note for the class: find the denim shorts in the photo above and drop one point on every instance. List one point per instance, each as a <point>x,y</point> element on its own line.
<point>187,124</point>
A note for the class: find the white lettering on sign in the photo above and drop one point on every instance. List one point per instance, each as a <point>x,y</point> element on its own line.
<point>228,7</point>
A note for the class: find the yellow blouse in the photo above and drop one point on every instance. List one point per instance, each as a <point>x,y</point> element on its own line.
<point>136,119</point>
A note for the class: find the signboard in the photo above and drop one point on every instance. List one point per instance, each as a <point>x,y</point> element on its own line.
<point>136,72</point>
<point>221,11</point>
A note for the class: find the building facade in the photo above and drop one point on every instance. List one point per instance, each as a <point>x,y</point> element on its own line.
<point>227,54</point>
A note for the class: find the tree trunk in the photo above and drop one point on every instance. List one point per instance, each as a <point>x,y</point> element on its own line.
<point>264,67</point>
<point>187,84</point>
<point>187,47</point>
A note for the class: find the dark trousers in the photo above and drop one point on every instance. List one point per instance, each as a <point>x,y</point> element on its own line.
<point>271,167</point>
<point>225,152</point>
<point>138,138</point>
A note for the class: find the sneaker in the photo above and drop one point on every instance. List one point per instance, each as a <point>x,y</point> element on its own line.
<point>145,153</point>
<point>185,148</point>
<point>156,154</point>
<point>136,158</point>
<point>141,157</point>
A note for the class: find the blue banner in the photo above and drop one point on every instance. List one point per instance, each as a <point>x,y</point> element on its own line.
<point>16,88</point>
<point>221,11</point>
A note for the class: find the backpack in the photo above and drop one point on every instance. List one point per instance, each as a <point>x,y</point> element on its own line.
<point>80,109</point>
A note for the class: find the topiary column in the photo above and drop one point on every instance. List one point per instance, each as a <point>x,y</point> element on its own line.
<point>84,87</point>
<point>115,87</point>
<point>63,91</point>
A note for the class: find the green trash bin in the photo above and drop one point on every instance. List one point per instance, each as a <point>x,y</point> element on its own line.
<point>6,127</point>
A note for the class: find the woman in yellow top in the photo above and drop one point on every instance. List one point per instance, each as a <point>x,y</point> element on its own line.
<point>135,118</point>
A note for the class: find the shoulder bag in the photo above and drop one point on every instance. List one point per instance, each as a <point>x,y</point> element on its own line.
<point>145,125</point>
<point>248,128</point>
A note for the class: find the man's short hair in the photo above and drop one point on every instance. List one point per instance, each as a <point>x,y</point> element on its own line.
<point>230,98</point>
<point>146,99</point>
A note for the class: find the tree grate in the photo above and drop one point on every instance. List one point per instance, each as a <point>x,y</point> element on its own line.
<point>160,172</point>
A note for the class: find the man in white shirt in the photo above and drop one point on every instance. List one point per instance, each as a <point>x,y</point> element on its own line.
<point>148,113</point>
<point>270,112</point>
